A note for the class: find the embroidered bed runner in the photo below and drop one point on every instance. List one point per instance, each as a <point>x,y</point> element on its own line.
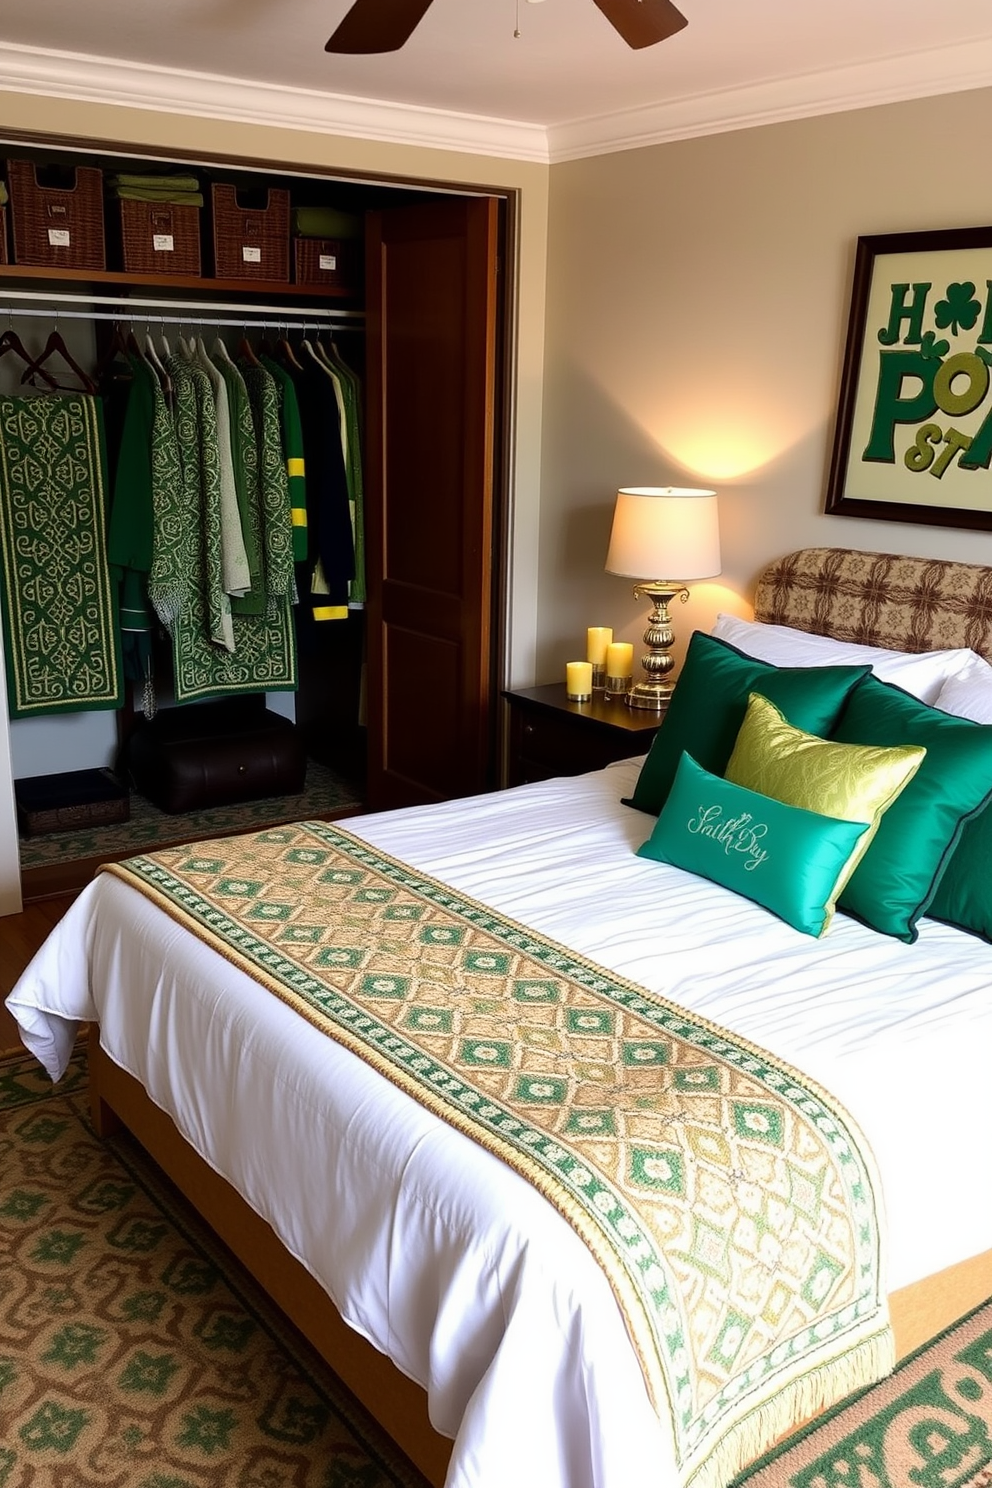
<point>61,639</point>
<point>728,1200</point>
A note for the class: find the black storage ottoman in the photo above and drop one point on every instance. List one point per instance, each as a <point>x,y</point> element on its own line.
<point>216,754</point>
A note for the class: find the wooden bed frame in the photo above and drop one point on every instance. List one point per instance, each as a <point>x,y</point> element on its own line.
<point>873,598</point>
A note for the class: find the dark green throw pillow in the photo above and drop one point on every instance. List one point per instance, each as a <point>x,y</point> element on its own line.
<point>709,703</point>
<point>964,893</point>
<point>898,875</point>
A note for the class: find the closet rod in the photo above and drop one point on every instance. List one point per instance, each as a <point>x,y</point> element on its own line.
<point>236,314</point>
<point>240,324</point>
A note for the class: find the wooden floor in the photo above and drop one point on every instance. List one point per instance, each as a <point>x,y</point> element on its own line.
<point>20,937</point>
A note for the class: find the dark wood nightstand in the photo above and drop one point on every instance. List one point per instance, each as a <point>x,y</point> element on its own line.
<point>551,736</point>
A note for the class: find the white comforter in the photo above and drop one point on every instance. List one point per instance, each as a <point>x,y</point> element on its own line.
<point>442,1257</point>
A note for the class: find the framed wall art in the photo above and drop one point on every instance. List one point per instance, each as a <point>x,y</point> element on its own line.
<point>913,438</point>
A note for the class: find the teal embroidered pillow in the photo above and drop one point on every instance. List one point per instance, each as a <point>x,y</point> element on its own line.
<point>709,703</point>
<point>896,879</point>
<point>784,858</point>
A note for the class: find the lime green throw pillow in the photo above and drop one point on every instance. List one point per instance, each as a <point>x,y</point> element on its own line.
<point>896,879</point>
<point>784,858</point>
<point>709,703</point>
<point>856,782</point>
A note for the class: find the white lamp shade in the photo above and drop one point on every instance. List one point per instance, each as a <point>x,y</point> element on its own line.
<point>662,532</point>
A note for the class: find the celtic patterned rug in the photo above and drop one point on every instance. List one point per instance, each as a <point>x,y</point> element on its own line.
<point>134,1352</point>
<point>929,1425</point>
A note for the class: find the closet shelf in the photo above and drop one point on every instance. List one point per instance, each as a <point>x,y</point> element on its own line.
<point>249,288</point>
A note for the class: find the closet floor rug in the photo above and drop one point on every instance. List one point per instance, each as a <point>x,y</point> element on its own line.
<point>326,791</point>
<point>134,1351</point>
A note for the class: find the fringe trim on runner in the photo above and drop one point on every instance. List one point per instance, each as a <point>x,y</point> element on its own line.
<point>793,1405</point>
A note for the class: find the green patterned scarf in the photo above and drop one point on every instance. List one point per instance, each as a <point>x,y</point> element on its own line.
<point>185,580</point>
<point>59,612</point>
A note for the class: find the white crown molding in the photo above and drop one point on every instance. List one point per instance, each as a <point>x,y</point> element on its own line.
<point>54,74</point>
<point>952,69</point>
<point>72,75</point>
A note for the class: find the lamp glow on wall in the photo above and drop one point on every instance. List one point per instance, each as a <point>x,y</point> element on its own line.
<point>662,530</point>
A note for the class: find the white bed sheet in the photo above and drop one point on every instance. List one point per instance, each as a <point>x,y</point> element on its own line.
<point>450,1262</point>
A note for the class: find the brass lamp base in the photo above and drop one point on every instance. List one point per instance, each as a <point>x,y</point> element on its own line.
<point>655,690</point>
<point>650,695</point>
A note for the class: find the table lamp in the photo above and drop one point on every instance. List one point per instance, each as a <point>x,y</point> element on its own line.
<point>662,530</point>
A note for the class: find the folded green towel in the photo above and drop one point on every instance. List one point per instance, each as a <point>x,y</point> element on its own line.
<point>175,182</point>
<point>3,194</point>
<point>171,198</point>
<point>326,222</point>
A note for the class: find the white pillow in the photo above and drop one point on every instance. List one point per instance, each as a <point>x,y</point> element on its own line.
<point>969,693</point>
<point>921,673</point>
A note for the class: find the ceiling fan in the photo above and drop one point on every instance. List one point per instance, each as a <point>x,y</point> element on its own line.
<point>385,25</point>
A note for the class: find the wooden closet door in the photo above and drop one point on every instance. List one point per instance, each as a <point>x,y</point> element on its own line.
<point>431,317</point>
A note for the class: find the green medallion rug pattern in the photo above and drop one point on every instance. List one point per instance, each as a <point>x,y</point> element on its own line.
<point>134,1352</point>
<point>929,1425</point>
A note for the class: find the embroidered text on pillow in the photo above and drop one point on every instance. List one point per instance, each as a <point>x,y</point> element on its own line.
<point>739,834</point>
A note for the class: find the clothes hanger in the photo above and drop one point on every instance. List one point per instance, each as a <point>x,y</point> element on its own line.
<point>246,350</point>
<point>117,347</point>
<point>220,352</point>
<point>55,346</point>
<point>285,353</point>
<point>152,356</point>
<point>11,341</point>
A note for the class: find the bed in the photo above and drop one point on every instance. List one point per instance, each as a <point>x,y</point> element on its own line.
<point>479,1329</point>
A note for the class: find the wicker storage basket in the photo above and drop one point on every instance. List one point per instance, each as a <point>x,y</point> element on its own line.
<point>57,225</point>
<point>251,242</point>
<point>66,802</point>
<point>330,261</point>
<point>160,237</point>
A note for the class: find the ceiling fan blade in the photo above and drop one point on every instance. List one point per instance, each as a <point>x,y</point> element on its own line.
<point>377,26</point>
<point>641,23</point>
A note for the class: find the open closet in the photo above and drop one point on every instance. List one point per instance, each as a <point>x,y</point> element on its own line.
<point>379,685</point>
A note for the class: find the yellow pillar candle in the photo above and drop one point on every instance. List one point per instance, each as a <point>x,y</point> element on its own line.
<point>620,659</point>
<point>578,680</point>
<point>598,637</point>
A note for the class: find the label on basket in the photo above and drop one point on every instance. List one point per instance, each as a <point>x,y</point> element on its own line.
<point>251,255</point>
<point>58,237</point>
<point>328,261</point>
<point>163,242</point>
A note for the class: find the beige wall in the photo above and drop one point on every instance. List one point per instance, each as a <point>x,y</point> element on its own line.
<point>697,308</point>
<point>83,123</point>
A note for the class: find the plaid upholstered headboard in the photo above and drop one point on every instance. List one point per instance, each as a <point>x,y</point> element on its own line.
<point>880,599</point>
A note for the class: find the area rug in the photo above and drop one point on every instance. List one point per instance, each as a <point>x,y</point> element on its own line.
<point>325,792</point>
<point>929,1425</point>
<point>134,1351</point>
